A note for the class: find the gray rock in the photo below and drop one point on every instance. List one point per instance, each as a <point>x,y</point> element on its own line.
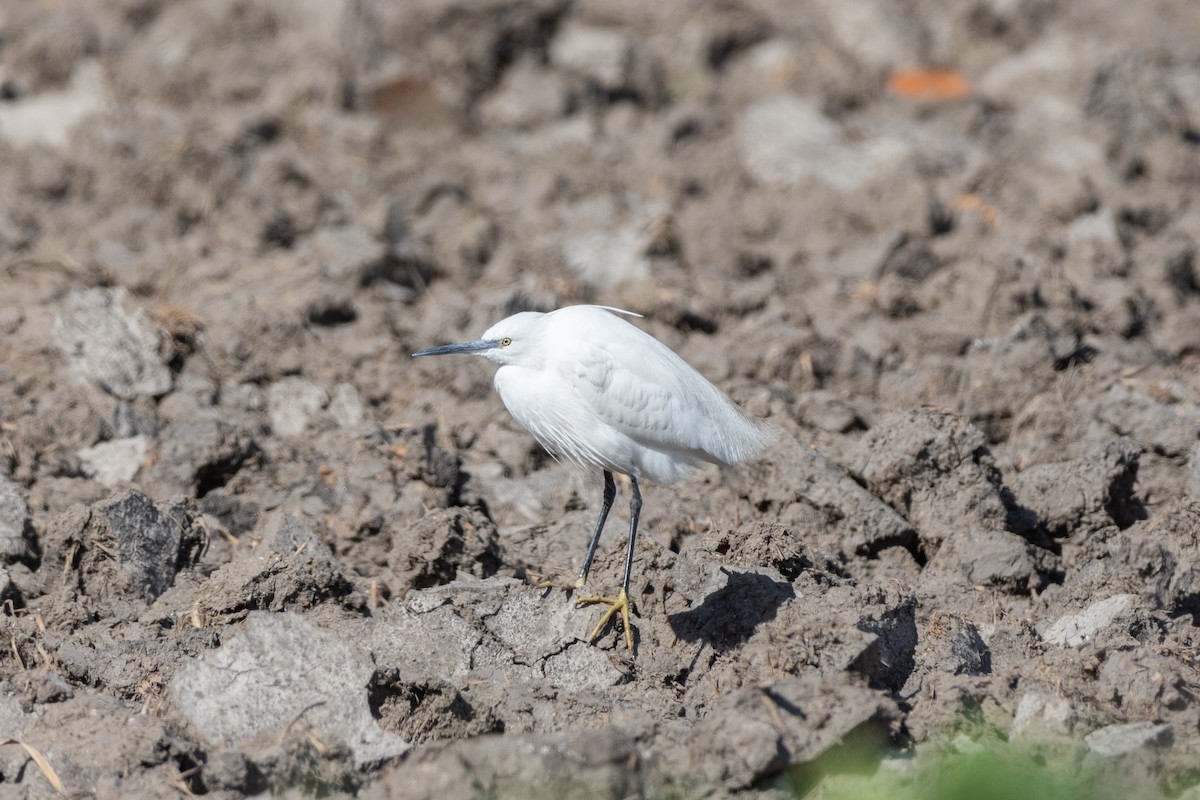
<point>1041,712</point>
<point>346,407</point>
<point>1096,227</point>
<point>115,462</point>
<point>14,518</point>
<point>528,96</point>
<point>1116,740</point>
<point>525,624</point>
<point>1076,629</point>
<point>292,404</point>
<point>111,342</point>
<point>602,54</point>
<point>604,259</point>
<point>785,140</point>
<point>282,673</point>
<point>49,117</point>
<point>498,622</point>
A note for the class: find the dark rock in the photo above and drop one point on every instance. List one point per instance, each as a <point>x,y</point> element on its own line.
<point>152,544</point>
<point>14,523</point>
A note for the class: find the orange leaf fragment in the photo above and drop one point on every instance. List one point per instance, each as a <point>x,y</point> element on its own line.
<point>929,85</point>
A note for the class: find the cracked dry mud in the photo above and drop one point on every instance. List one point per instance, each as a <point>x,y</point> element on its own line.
<point>248,545</point>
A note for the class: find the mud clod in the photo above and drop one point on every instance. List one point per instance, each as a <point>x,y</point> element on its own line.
<point>249,546</point>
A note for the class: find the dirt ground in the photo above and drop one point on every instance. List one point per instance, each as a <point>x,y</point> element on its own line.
<point>248,545</point>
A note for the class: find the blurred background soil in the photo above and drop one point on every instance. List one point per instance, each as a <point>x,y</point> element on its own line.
<point>248,545</point>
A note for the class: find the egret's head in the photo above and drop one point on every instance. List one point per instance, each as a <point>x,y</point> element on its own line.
<point>512,340</point>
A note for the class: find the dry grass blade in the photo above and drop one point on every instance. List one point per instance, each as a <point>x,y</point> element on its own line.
<point>16,651</point>
<point>42,763</point>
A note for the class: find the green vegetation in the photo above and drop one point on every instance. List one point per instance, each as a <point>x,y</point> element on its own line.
<point>964,769</point>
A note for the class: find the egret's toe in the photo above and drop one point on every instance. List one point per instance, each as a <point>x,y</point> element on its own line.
<point>566,586</point>
<point>618,604</point>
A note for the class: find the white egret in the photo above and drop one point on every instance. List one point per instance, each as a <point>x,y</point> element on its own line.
<point>602,394</point>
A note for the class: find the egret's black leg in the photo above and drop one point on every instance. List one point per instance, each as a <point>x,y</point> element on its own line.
<point>610,494</point>
<point>635,511</point>
<point>620,603</point>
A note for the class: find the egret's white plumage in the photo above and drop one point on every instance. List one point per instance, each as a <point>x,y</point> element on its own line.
<point>598,392</point>
<point>601,393</point>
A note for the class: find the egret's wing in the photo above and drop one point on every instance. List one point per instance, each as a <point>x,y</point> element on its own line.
<point>627,383</point>
<point>636,402</point>
<point>639,387</point>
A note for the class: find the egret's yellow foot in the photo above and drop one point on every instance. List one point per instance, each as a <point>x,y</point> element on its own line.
<point>619,604</point>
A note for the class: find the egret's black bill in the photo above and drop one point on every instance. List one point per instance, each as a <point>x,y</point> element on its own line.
<point>465,347</point>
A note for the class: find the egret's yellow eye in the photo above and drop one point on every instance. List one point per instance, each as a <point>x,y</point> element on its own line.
<point>505,342</point>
